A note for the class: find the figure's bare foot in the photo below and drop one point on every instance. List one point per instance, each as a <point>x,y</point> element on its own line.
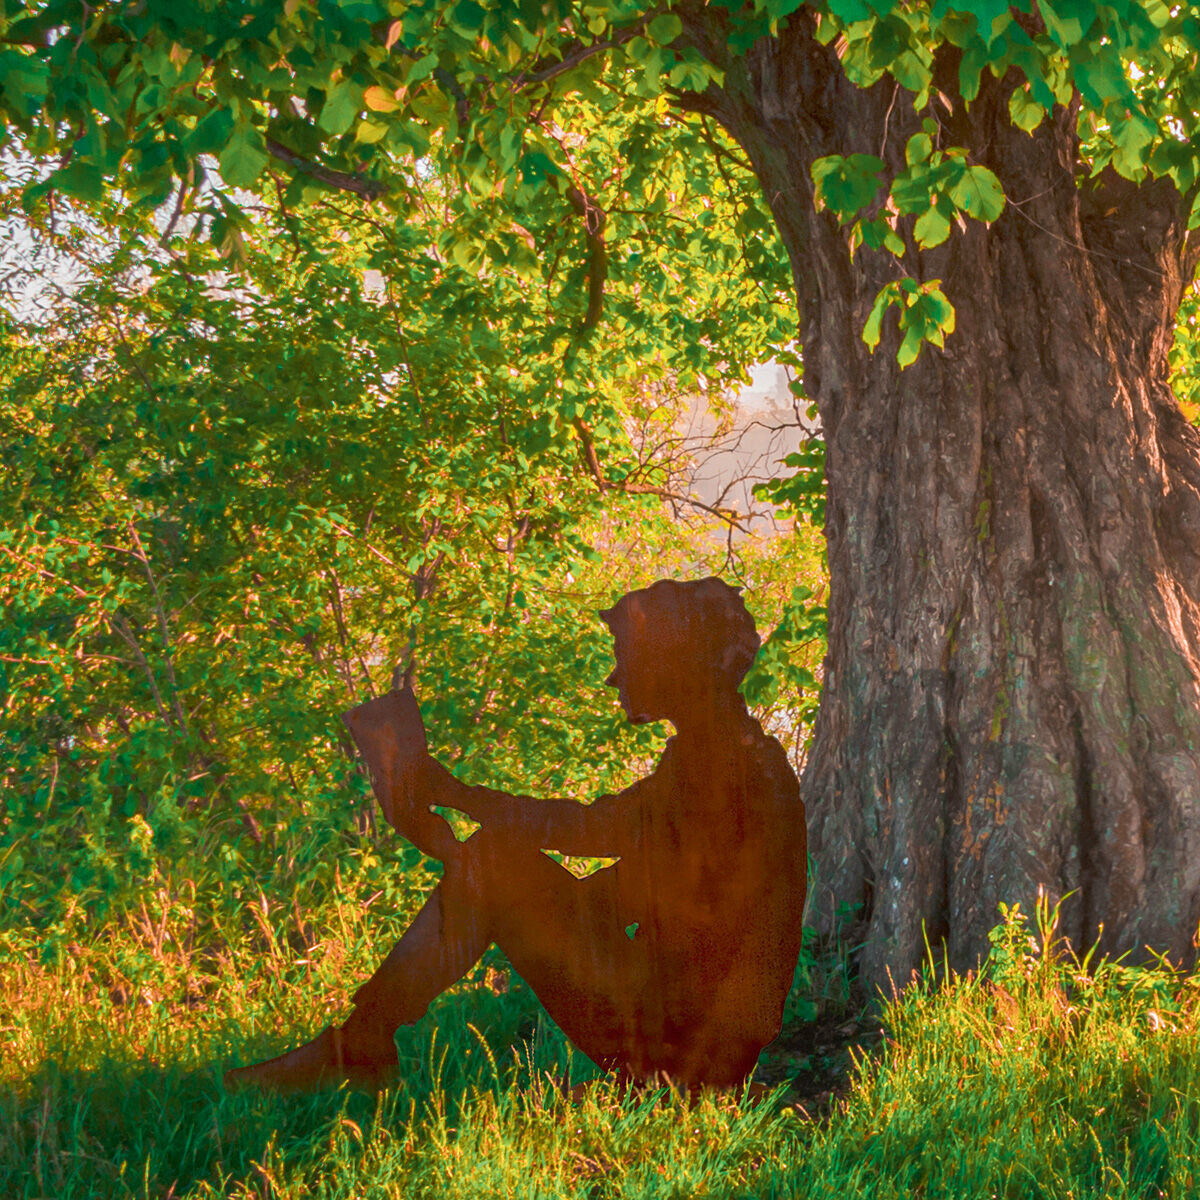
<point>320,1063</point>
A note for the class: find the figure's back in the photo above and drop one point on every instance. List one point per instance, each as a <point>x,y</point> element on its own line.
<point>679,958</point>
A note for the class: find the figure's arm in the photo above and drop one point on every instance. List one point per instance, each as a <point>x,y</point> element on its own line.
<point>391,736</point>
<point>602,828</point>
<point>407,781</point>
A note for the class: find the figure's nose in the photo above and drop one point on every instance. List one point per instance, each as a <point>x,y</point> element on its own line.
<point>612,680</point>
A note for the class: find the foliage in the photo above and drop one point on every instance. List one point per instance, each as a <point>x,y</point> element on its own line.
<point>778,665</point>
<point>1185,356</point>
<point>220,504</point>
<point>803,492</point>
<point>556,113</point>
<point>232,502</point>
<point>238,487</point>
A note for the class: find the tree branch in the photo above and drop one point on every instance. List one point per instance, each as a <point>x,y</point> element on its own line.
<point>593,223</point>
<point>550,68</point>
<point>360,185</point>
<point>164,628</point>
<point>588,448</point>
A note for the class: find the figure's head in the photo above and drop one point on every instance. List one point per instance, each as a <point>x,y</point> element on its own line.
<point>680,648</point>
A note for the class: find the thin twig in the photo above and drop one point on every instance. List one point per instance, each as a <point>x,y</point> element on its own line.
<point>379,554</point>
<point>164,627</point>
<point>348,643</point>
<point>184,187</point>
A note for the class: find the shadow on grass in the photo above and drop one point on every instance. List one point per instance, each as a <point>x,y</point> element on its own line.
<point>128,1127</point>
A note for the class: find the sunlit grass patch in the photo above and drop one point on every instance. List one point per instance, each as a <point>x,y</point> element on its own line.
<point>1038,1075</point>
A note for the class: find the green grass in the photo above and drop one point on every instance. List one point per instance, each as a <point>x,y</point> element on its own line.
<point>1039,1076</point>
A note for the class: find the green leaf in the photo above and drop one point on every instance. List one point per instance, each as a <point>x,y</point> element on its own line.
<point>932,228</point>
<point>1157,11</point>
<point>637,49</point>
<point>369,132</point>
<point>1068,21</point>
<point>80,178</point>
<point>692,76</point>
<point>878,235</point>
<point>24,81</point>
<point>939,313</point>
<point>988,13</point>
<point>929,317</point>
<point>970,68</point>
<point>926,315</point>
<point>466,253</point>
<point>873,329</point>
<point>1131,137</point>
<point>342,104</point>
<point>421,69</point>
<point>653,65</point>
<point>910,346</point>
<point>664,29</point>
<point>537,167</point>
<point>850,11</point>
<point>1102,78</point>
<point>1025,111</point>
<point>211,134</point>
<point>244,156</point>
<point>467,17</point>
<point>979,194</point>
<point>919,148</point>
<point>912,71</point>
<point>911,189</point>
<point>846,184</point>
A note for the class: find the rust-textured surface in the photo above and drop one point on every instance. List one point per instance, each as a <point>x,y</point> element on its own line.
<point>674,961</point>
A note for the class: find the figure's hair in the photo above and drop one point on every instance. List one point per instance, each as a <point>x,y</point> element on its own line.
<point>704,622</point>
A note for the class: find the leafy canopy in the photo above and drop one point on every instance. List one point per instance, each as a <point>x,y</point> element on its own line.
<point>552,111</point>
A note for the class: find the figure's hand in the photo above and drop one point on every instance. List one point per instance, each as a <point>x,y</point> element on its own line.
<point>407,781</point>
<point>391,736</point>
<point>408,724</point>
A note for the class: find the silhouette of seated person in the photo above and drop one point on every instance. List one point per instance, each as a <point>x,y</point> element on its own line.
<point>676,960</point>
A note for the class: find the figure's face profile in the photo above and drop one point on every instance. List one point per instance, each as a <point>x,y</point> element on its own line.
<point>681,648</point>
<point>634,683</point>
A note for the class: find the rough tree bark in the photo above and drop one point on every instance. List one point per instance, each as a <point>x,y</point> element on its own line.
<point>1012,690</point>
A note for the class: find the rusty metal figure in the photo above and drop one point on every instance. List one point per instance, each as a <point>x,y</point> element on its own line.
<point>674,961</point>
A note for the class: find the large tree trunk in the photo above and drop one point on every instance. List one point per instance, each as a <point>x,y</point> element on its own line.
<point>1012,691</point>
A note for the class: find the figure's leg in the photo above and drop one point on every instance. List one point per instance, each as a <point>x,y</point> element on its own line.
<point>444,941</point>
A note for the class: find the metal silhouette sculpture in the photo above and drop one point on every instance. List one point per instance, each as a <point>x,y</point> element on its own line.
<point>676,960</point>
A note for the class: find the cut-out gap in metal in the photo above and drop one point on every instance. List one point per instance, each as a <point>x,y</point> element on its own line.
<point>581,865</point>
<point>460,824</point>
